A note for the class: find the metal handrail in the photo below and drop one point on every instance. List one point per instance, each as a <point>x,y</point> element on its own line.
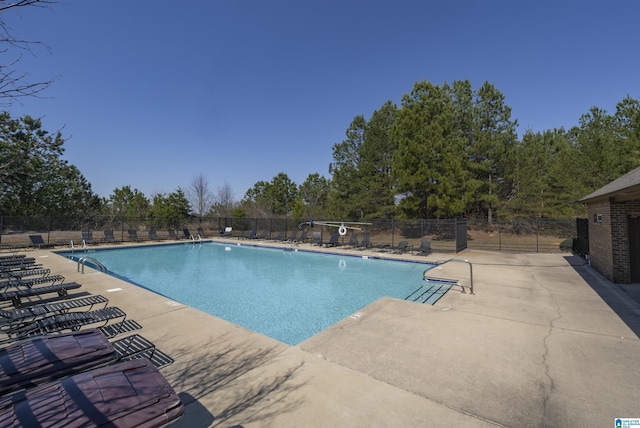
<point>441,262</point>
<point>82,261</point>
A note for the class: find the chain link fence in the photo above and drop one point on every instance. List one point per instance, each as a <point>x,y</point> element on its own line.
<point>515,235</point>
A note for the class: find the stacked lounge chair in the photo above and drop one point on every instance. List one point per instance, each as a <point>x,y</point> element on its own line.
<point>77,378</point>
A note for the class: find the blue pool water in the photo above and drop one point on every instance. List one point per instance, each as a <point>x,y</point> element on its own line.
<point>287,295</point>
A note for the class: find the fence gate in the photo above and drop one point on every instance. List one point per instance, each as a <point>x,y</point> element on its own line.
<point>461,235</point>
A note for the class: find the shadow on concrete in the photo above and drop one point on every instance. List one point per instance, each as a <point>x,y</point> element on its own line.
<point>227,377</point>
<point>195,414</point>
<point>622,303</point>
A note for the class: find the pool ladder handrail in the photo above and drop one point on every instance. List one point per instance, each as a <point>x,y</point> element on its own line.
<point>441,262</point>
<point>83,260</point>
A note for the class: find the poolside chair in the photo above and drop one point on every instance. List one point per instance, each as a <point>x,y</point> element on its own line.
<point>353,241</point>
<point>20,264</point>
<point>317,238</point>
<point>401,247</point>
<point>249,234</point>
<point>172,234</point>
<point>263,235</point>
<point>280,236</point>
<point>226,232</point>
<point>127,394</point>
<point>42,359</point>
<point>366,241</point>
<point>153,235</point>
<point>62,322</point>
<point>30,282</point>
<point>15,296</point>
<point>133,235</point>
<point>87,237</point>
<point>304,236</point>
<point>334,240</point>
<point>293,237</point>
<point>21,316</point>
<point>23,273</point>
<point>186,233</point>
<point>425,246</point>
<point>201,233</point>
<point>13,256</point>
<point>37,241</point>
<point>108,236</point>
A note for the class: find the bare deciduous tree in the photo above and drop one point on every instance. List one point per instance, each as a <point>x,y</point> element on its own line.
<point>200,196</point>
<point>224,201</point>
<point>14,83</point>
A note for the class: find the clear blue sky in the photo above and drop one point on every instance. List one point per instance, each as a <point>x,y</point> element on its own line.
<point>155,92</point>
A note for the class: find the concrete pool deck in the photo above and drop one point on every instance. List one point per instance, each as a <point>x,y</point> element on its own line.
<point>544,341</point>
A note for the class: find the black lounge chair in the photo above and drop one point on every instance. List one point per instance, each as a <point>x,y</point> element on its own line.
<point>402,247</point>
<point>37,241</point>
<point>172,234</point>
<point>353,241</point>
<point>108,236</point>
<point>42,359</point>
<point>250,234</point>
<point>317,238</point>
<point>17,274</point>
<point>280,236</point>
<point>62,322</point>
<point>27,265</point>
<point>15,296</point>
<point>366,241</point>
<point>263,235</point>
<point>334,240</point>
<point>304,236</point>
<point>187,234</point>
<point>13,317</point>
<point>293,237</point>
<point>425,246</point>
<point>201,233</point>
<point>128,394</point>
<point>153,235</point>
<point>133,235</point>
<point>17,263</point>
<point>30,282</point>
<point>87,237</point>
<point>13,256</point>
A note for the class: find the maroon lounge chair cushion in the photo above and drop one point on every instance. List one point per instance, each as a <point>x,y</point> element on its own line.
<point>129,394</point>
<point>42,359</point>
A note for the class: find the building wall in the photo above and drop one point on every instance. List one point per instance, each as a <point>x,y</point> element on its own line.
<point>609,238</point>
<point>620,239</point>
<point>600,240</point>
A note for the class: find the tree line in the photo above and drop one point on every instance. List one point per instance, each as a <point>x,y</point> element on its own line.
<point>448,151</point>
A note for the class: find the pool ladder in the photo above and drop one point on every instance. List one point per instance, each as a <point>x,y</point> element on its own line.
<point>441,262</point>
<point>83,261</point>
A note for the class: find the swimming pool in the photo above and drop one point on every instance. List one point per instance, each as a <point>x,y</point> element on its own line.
<point>286,295</point>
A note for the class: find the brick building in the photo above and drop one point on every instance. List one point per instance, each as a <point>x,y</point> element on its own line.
<point>614,228</point>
